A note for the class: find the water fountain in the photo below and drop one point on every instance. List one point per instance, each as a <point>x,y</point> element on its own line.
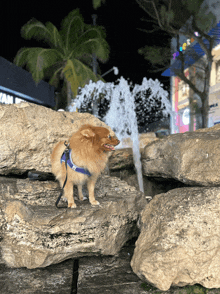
<point>121,116</point>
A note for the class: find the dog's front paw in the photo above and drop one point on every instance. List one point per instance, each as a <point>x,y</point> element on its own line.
<point>95,203</point>
<point>72,205</point>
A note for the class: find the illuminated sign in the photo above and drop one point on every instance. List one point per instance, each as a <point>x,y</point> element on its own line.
<point>184,46</point>
<point>9,99</point>
<point>186,116</point>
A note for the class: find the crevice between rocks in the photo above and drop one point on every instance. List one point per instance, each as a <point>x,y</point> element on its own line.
<point>153,186</point>
<point>32,175</point>
<point>75,276</point>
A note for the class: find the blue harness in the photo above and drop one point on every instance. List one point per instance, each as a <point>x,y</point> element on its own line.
<point>72,165</point>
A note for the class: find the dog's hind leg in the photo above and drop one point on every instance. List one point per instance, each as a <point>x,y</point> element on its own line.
<point>68,194</point>
<point>80,192</point>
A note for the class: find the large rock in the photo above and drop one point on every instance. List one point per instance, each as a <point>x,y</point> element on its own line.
<point>36,234</point>
<point>108,274</point>
<point>144,139</point>
<point>179,242</point>
<point>29,133</point>
<point>192,158</point>
<point>121,159</point>
<point>54,279</point>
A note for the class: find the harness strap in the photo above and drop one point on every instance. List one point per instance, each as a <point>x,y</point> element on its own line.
<point>72,165</point>
<point>66,158</point>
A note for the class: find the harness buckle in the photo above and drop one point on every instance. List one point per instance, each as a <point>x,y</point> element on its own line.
<point>67,145</point>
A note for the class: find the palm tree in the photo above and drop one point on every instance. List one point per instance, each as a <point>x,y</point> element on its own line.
<point>69,55</point>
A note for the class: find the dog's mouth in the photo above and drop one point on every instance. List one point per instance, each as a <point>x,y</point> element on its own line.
<point>111,147</point>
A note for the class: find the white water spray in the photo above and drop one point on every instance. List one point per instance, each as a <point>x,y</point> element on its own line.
<point>121,116</point>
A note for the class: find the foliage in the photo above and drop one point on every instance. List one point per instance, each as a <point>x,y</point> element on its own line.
<point>70,54</point>
<point>195,17</point>
<point>157,55</point>
<point>97,3</point>
<point>166,18</point>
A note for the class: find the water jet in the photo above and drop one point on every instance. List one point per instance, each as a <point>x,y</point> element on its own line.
<point>121,116</point>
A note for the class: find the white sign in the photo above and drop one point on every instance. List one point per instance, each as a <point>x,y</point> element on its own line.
<point>8,99</point>
<point>186,116</point>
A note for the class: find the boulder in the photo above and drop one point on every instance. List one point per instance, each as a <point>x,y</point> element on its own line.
<point>179,243</point>
<point>108,274</point>
<point>54,279</point>
<point>35,234</point>
<point>121,159</point>
<point>144,139</point>
<point>192,157</point>
<point>29,133</point>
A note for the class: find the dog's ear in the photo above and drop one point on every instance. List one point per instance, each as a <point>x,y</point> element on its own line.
<point>87,133</point>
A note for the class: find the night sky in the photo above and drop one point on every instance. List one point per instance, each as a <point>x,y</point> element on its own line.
<point>121,19</point>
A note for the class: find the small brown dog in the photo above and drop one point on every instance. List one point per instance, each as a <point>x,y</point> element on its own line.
<point>89,154</point>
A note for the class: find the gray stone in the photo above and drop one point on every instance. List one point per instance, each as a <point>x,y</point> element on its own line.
<point>192,157</point>
<point>36,234</point>
<point>107,274</point>
<point>29,132</point>
<point>121,159</point>
<point>179,242</point>
<point>144,139</point>
<point>54,279</point>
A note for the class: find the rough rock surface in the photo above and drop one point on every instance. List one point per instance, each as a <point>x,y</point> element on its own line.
<point>108,274</point>
<point>29,133</point>
<point>54,279</point>
<point>144,139</point>
<point>192,157</point>
<point>121,159</point>
<point>179,242</point>
<point>36,234</point>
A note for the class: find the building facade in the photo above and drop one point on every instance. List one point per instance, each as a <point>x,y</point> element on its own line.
<point>181,94</point>
<point>17,84</point>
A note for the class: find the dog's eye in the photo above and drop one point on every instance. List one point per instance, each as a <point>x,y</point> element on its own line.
<point>109,137</point>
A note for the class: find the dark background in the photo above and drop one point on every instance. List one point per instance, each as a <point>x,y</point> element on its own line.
<point>121,19</point>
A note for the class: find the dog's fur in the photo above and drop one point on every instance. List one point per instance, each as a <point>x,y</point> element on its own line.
<point>89,151</point>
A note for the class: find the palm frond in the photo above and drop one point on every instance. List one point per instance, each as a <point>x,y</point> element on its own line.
<point>21,57</point>
<point>37,30</point>
<point>55,78</point>
<point>90,42</point>
<point>50,70</point>
<point>85,58</point>
<point>55,36</point>
<point>70,72</point>
<point>70,54</point>
<point>37,60</point>
<point>72,27</point>
<point>85,72</point>
<point>78,74</point>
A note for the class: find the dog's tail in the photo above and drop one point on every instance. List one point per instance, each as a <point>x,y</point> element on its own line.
<point>55,158</point>
<point>57,153</point>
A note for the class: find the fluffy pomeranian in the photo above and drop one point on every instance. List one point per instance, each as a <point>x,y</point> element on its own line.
<point>89,151</point>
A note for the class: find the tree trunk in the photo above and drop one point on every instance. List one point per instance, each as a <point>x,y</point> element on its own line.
<point>69,93</point>
<point>205,95</point>
<point>95,102</point>
<point>205,110</point>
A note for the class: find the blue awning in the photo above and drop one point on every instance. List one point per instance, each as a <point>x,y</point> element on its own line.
<point>193,53</point>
